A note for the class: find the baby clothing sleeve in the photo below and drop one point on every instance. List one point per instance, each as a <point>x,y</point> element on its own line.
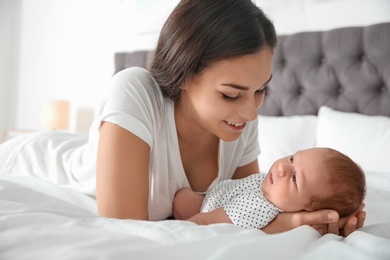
<point>243,202</point>
<point>250,211</point>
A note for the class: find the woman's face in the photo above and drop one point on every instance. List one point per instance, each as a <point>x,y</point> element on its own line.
<point>227,94</point>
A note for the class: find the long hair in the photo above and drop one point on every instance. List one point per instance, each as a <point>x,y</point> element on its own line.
<point>201,32</point>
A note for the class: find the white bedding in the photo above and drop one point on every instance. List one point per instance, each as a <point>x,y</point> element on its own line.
<point>39,220</point>
<point>42,220</point>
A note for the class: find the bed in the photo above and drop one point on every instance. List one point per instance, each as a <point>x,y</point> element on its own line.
<point>329,88</point>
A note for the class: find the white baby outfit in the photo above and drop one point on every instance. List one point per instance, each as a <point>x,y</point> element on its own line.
<point>243,201</point>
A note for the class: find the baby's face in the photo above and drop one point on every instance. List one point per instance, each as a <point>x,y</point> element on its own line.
<point>293,180</point>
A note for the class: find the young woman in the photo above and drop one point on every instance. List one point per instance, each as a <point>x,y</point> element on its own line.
<point>188,122</point>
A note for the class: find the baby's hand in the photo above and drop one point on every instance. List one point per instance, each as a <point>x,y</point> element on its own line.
<point>186,204</point>
<point>213,217</point>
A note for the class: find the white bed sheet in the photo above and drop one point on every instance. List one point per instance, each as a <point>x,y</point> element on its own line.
<point>39,220</point>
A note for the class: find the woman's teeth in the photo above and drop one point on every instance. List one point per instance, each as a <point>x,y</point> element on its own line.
<point>235,124</point>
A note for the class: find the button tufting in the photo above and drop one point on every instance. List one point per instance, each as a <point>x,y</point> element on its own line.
<point>340,90</point>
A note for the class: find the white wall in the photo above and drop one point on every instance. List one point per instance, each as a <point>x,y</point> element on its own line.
<point>65,48</point>
<point>66,52</point>
<point>291,16</point>
<point>9,54</point>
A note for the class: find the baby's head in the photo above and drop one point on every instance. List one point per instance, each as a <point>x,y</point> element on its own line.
<point>313,179</point>
<point>346,185</point>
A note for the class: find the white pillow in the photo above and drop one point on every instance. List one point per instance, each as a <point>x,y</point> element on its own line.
<point>282,136</point>
<point>366,139</point>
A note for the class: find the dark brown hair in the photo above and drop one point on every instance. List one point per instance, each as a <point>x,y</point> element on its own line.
<point>346,184</point>
<point>201,32</point>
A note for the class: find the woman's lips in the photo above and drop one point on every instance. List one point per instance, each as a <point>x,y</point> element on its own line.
<point>238,127</point>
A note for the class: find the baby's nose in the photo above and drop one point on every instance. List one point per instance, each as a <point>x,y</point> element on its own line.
<point>285,169</point>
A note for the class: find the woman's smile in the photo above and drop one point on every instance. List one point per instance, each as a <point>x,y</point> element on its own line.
<point>236,126</point>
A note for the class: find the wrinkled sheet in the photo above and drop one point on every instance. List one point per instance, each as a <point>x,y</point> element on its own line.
<point>40,220</point>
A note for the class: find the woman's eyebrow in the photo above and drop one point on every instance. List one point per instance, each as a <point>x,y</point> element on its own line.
<point>237,86</point>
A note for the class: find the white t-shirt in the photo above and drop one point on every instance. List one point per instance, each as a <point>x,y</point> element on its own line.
<point>134,102</point>
<point>243,202</point>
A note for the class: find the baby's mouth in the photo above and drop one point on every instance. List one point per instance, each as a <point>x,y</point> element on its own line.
<point>271,180</point>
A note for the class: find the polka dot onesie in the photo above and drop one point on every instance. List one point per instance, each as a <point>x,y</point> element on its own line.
<point>243,201</point>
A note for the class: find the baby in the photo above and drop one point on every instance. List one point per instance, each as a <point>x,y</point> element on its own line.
<point>309,180</point>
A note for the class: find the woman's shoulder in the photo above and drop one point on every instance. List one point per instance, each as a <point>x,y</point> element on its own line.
<point>138,82</point>
<point>134,75</point>
<point>133,71</point>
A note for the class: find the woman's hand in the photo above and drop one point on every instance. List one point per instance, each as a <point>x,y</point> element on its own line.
<point>324,221</point>
<point>349,224</point>
<point>287,221</point>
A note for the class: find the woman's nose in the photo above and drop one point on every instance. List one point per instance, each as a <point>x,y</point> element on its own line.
<point>249,110</point>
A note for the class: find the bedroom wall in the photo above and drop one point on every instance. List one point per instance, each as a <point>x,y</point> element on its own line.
<point>9,46</point>
<point>63,49</point>
<point>66,52</point>
<point>291,16</point>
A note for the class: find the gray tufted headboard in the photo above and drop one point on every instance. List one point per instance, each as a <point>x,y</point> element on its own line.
<point>347,69</point>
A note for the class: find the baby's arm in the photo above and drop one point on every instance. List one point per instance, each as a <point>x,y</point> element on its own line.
<point>186,204</point>
<point>216,216</point>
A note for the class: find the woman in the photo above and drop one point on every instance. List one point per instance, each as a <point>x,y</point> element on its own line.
<point>190,121</point>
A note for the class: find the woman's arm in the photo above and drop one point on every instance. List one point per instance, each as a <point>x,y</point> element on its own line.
<point>324,221</point>
<point>287,221</point>
<point>122,174</point>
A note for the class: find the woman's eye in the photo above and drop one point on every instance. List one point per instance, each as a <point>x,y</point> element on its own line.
<point>229,98</point>
<point>260,91</point>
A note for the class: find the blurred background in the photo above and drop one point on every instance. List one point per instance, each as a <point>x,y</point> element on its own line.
<point>58,55</point>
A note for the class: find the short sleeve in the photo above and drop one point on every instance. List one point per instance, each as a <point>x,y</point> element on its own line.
<point>133,102</point>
